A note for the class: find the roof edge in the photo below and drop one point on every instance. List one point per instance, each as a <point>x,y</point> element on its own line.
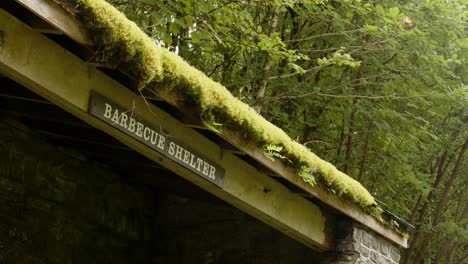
<point>155,65</point>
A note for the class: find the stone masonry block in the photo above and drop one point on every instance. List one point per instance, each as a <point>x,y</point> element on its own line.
<point>346,246</point>
<point>374,256</point>
<point>384,260</point>
<point>375,243</point>
<point>364,251</point>
<point>357,234</point>
<point>384,248</point>
<point>363,261</point>
<point>395,254</point>
<point>352,258</point>
<point>366,239</point>
<point>369,248</point>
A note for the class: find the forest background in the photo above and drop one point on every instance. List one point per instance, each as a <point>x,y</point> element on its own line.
<point>375,87</point>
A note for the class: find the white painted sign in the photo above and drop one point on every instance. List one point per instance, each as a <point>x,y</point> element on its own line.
<point>126,121</point>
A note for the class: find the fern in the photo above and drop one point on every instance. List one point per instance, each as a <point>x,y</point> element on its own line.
<point>305,172</point>
<point>209,121</point>
<point>272,151</point>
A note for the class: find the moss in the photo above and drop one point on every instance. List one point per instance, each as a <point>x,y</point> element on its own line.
<point>121,43</point>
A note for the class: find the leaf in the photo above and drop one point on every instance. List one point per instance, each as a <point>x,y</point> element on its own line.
<point>150,2</point>
<point>199,35</point>
<point>422,119</point>
<point>175,28</point>
<point>209,121</point>
<point>432,136</point>
<point>167,39</point>
<point>371,29</point>
<point>394,12</point>
<point>272,151</point>
<point>297,68</point>
<point>305,172</point>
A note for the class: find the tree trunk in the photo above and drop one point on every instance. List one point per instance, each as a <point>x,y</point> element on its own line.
<point>446,254</point>
<point>362,167</point>
<point>441,164</point>
<point>349,140</point>
<point>341,140</point>
<point>266,65</point>
<point>352,117</point>
<point>441,204</point>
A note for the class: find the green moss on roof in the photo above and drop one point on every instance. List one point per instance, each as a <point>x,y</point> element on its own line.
<point>121,43</point>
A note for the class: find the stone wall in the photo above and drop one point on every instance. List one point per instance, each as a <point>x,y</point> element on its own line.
<point>357,245</point>
<point>200,232</point>
<point>58,206</point>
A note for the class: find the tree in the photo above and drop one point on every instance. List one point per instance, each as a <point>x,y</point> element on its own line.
<point>375,87</point>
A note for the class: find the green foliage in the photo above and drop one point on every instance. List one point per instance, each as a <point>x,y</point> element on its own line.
<point>193,92</point>
<point>377,88</point>
<point>209,121</point>
<point>458,231</point>
<point>306,173</point>
<point>273,151</point>
<point>339,59</point>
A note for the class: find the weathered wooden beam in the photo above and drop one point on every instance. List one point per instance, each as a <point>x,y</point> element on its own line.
<point>288,174</point>
<point>44,67</point>
<point>56,16</point>
<point>47,30</point>
<point>41,26</point>
<point>341,205</point>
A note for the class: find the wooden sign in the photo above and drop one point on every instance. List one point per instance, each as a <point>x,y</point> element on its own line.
<point>126,121</point>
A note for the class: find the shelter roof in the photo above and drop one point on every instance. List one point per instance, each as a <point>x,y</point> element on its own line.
<point>119,43</point>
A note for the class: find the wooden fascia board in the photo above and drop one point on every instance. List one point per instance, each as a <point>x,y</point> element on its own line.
<point>341,205</point>
<point>59,18</point>
<point>338,203</point>
<point>49,70</point>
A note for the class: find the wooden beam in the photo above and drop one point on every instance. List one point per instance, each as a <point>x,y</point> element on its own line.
<point>74,30</point>
<point>288,174</point>
<point>341,205</point>
<point>47,30</point>
<point>58,17</point>
<point>44,67</point>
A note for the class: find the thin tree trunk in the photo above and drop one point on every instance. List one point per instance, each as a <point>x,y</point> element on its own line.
<point>340,143</point>
<point>441,204</point>
<point>442,252</point>
<point>422,213</point>
<point>349,140</point>
<point>432,170</point>
<point>451,250</point>
<point>352,117</point>
<point>446,254</point>
<point>440,174</point>
<point>462,259</point>
<point>364,157</point>
<point>266,65</point>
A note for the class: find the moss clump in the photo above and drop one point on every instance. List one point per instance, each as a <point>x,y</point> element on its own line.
<point>121,43</point>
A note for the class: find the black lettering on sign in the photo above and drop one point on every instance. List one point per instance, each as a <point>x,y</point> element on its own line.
<point>126,121</point>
